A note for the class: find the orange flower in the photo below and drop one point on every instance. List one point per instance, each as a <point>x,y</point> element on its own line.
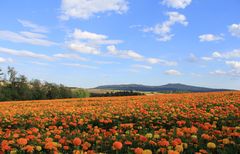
<point>77,141</point>
<point>29,148</point>
<point>138,150</point>
<point>22,141</point>
<point>117,145</point>
<point>49,145</point>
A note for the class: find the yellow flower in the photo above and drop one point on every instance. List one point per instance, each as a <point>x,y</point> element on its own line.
<point>211,145</point>
<point>38,148</point>
<point>156,136</point>
<point>226,141</point>
<point>148,135</point>
<point>147,151</point>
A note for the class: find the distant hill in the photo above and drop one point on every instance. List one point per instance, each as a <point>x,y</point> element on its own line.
<point>173,87</point>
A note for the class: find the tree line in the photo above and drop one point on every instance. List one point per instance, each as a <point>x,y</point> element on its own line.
<point>14,86</point>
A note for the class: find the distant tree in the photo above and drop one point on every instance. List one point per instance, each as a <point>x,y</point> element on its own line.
<point>64,92</point>
<point>38,90</point>
<point>23,89</point>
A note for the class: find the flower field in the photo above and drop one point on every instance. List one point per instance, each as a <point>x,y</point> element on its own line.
<point>165,123</point>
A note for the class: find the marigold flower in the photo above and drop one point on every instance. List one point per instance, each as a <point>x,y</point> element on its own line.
<point>29,148</point>
<point>117,145</point>
<point>226,141</point>
<point>138,150</point>
<point>211,145</point>
<point>77,141</point>
<point>22,141</point>
<point>147,151</point>
<point>38,148</point>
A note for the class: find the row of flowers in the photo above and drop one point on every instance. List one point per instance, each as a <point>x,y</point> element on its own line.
<point>168,124</point>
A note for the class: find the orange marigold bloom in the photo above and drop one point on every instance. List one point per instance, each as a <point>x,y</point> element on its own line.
<point>163,142</point>
<point>49,145</point>
<point>29,148</point>
<point>138,150</point>
<point>77,141</point>
<point>117,145</point>
<point>22,141</point>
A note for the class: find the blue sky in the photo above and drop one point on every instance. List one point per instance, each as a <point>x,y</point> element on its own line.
<point>87,43</point>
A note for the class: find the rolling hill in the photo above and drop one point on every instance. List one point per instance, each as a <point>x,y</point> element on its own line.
<point>171,87</point>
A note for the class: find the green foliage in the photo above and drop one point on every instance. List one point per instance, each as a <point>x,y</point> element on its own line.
<point>79,93</point>
<point>17,87</point>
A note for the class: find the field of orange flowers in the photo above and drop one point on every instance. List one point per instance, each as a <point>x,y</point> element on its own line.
<point>168,124</point>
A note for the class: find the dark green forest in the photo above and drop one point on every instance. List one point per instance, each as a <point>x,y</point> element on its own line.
<point>14,86</point>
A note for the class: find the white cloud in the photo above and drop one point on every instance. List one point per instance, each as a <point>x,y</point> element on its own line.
<point>234,64</point>
<point>112,50</point>
<point>25,37</point>
<point>69,56</point>
<point>219,72</point>
<point>5,60</point>
<point>231,73</point>
<point>124,53</point>
<point>88,42</point>
<point>32,35</point>
<point>93,38</point>
<point>234,29</point>
<point>161,61</point>
<point>84,9</point>
<point>173,72</point>
<point>24,53</point>
<point>207,58</point>
<point>79,65</point>
<point>83,48</point>
<point>177,4</point>
<point>32,26</point>
<point>163,30</point>
<point>79,34</point>
<point>209,38</point>
<point>227,55</point>
<point>138,66</point>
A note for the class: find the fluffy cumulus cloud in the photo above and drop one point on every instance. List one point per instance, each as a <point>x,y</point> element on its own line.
<point>173,72</point>
<point>124,53</point>
<point>227,55</point>
<point>163,30</point>
<point>234,64</point>
<point>234,29</point>
<point>25,53</point>
<point>88,42</point>
<point>84,9</point>
<point>84,48</point>
<point>209,38</point>
<point>33,27</point>
<point>93,38</point>
<point>26,37</point>
<point>177,4</point>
